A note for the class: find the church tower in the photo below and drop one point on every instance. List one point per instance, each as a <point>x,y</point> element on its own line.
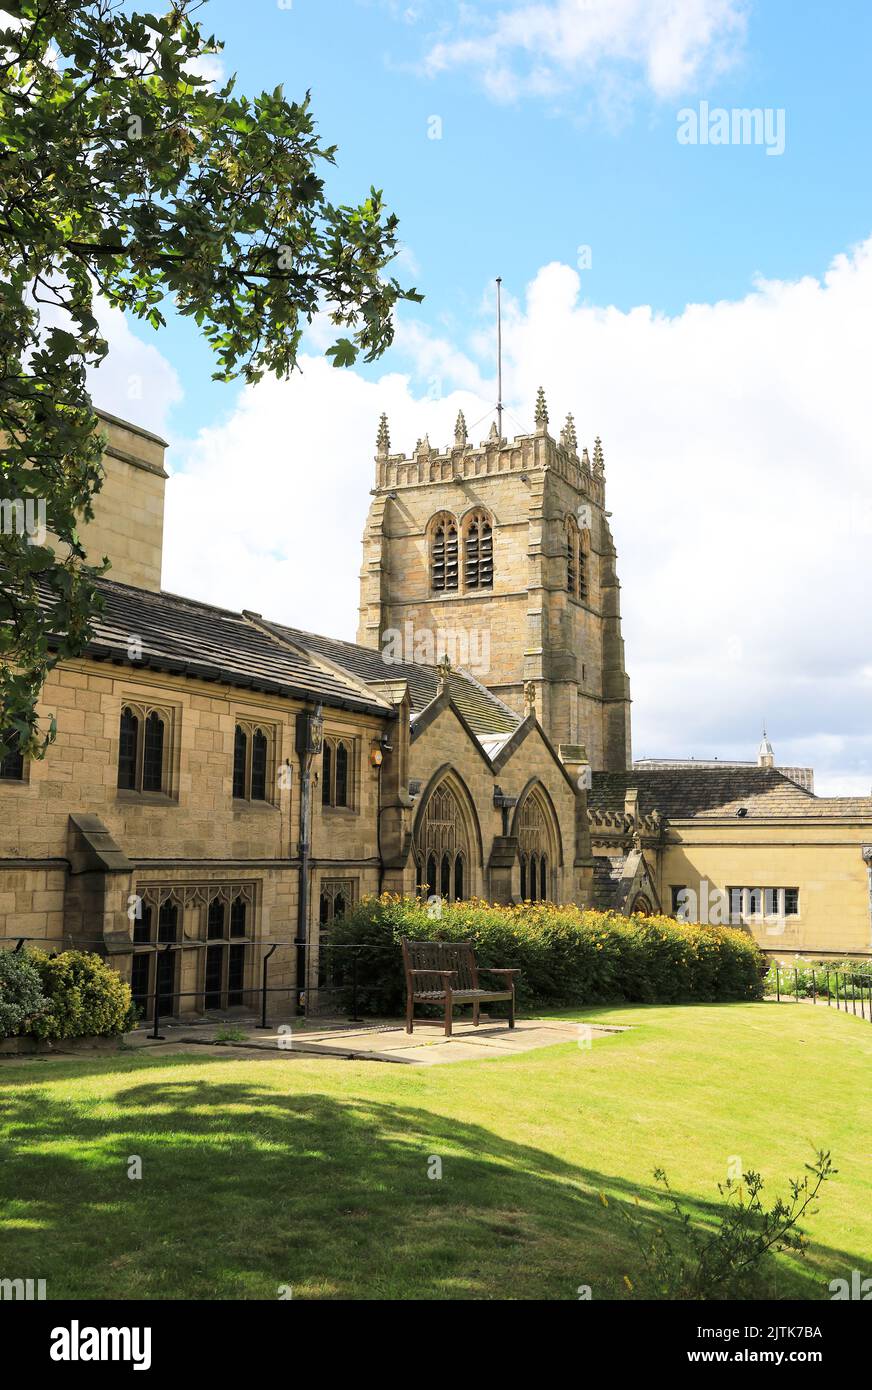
<point>501,557</point>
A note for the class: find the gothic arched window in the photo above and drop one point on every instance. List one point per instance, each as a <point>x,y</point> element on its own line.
<point>240,761</point>
<point>442,846</point>
<point>152,753</point>
<point>536,848</point>
<point>228,937</point>
<point>253,748</point>
<point>443,553</point>
<point>259,759</point>
<point>341,798</point>
<point>326,774</point>
<point>144,739</point>
<point>478,551</point>
<point>337,772</point>
<point>127,746</point>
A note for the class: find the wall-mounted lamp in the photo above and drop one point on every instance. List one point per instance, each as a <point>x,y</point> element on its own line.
<point>376,757</point>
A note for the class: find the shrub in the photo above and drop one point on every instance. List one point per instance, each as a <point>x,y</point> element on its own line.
<point>85,996</point>
<point>21,995</point>
<point>727,1260</point>
<point>566,955</point>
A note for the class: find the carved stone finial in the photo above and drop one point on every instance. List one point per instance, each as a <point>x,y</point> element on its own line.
<point>568,436</point>
<point>443,671</point>
<point>460,429</point>
<point>493,436</point>
<point>529,697</point>
<point>541,410</point>
<point>598,460</point>
<point>423,446</point>
<point>383,438</point>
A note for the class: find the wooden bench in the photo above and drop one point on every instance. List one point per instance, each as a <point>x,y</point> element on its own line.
<point>446,972</point>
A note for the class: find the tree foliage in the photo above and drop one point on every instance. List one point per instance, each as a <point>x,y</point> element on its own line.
<point>124,172</point>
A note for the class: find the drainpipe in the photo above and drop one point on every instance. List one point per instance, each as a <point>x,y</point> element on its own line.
<point>310,732</point>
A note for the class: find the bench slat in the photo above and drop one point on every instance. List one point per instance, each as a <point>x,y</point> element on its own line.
<point>433,959</point>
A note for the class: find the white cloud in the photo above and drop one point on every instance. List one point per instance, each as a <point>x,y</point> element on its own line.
<point>549,48</point>
<point>134,380</point>
<point>736,441</point>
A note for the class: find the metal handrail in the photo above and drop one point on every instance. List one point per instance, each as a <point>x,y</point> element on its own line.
<point>847,988</point>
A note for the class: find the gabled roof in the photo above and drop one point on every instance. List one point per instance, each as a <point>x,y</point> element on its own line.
<point>483,712</point>
<point>685,793</point>
<point>215,644</point>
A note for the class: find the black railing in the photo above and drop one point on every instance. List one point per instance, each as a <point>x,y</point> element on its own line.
<point>849,990</point>
<point>161,1001</point>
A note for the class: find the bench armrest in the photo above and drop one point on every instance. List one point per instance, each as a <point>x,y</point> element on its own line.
<point>490,970</point>
<point>445,974</point>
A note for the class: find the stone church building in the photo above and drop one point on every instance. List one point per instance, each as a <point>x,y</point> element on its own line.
<point>223,786</point>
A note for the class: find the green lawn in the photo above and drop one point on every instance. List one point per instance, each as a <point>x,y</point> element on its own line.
<point>313,1172</point>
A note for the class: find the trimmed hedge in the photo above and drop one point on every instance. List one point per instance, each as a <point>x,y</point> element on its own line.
<point>566,955</point>
<point>84,997</point>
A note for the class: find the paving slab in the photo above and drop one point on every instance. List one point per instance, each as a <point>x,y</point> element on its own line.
<point>377,1040</point>
<point>427,1046</point>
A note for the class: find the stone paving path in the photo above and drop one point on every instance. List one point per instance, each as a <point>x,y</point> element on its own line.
<point>389,1042</point>
<point>376,1040</point>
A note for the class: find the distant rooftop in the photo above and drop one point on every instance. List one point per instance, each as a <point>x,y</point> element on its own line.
<point>802,776</point>
<point>685,790</point>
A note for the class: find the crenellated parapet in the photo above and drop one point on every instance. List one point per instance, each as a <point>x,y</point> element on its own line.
<point>624,824</point>
<point>462,461</point>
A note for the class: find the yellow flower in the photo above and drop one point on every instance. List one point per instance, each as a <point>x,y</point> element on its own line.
<point>628,1283</point>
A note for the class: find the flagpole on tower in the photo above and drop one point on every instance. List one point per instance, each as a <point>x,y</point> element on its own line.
<point>499,361</point>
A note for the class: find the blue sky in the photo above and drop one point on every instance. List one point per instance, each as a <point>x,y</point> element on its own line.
<point>718,341</point>
<point>512,185</point>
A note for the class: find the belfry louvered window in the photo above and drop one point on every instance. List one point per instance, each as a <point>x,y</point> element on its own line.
<point>583,566</point>
<point>577,560</point>
<point>443,555</point>
<point>571,557</point>
<point>479,552</point>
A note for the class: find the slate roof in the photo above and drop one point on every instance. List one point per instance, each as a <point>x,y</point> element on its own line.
<point>214,644</point>
<point>687,793</point>
<point>483,712</point>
